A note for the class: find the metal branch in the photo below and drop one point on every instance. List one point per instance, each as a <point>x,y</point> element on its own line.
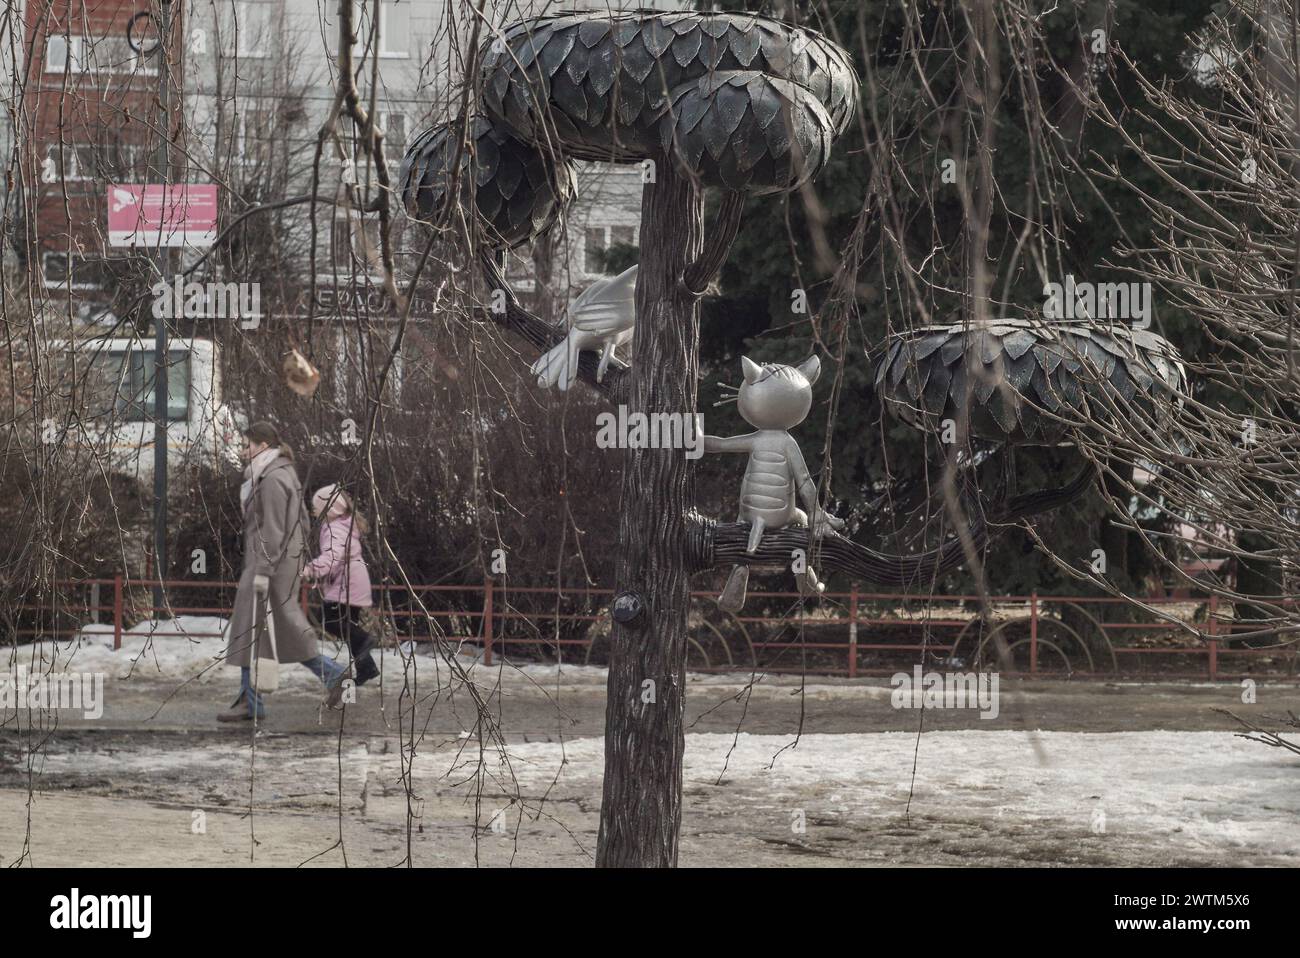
<point>712,543</point>
<point>700,273</point>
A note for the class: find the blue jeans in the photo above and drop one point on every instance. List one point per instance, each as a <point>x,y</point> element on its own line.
<point>327,670</point>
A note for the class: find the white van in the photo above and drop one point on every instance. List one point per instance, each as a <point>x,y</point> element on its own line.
<point>110,383</point>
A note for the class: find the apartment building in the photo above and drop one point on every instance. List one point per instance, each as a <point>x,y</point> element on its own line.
<point>252,82</point>
<point>88,118</point>
<point>11,60</point>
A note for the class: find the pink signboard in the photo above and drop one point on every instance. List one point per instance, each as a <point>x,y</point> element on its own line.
<point>157,215</point>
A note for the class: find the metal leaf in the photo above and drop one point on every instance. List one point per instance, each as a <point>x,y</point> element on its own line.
<point>988,379</point>
<point>928,344</point>
<point>509,174</point>
<point>776,51</point>
<point>656,37</point>
<point>766,103</point>
<point>713,128</point>
<point>601,70</point>
<point>712,51</point>
<point>953,349</point>
<point>487,160</point>
<point>935,396</point>
<point>731,106</point>
<point>990,347</point>
<point>575,65</point>
<point>730,171</point>
<point>687,47</point>
<point>778,136</point>
<point>1066,387</point>
<point>521,209</point>
<point>957,387</point>
<point>556,50</point>
<point>1048,357</point>
<point>690,110</point>
<point>637,61</point>
<point>683,24</point>
<point>498,85</point>
<point>714,24</point>
<point>1018,343</point>
<point>569,97</point>
<point>528,48</point>
<point>898,368</point>
<point>1002,407</point>
<point>747,144</point>
<point>631,100</point>
<point>744,44</point>
<point>1123,383</point>
<point>592,31</point>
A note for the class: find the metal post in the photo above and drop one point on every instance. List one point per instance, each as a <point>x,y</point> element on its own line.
<point>160,323</point>
<point>1033,634</point>
<point>117,612</point>
<point>487,621</point>
<point>1212,628</point>
<point>853,632</point>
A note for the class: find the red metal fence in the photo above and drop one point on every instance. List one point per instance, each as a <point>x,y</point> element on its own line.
<point>1060,629</point>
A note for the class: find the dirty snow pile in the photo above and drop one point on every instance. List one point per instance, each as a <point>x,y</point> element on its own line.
<point>192,647</point>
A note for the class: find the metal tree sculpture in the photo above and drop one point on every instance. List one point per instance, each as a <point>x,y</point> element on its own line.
<point>743,103</point>
<point>1026,382</point>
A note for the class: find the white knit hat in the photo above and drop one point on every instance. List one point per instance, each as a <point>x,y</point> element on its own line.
<point>333,497</point>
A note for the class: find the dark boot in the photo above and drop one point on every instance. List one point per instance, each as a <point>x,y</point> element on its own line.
<point>366,669</point>
<point>238,711</point>
<point>361,642</point>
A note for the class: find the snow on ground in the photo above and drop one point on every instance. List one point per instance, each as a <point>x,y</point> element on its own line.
<point>192,647</point>
<point>979,796</point>
<point>1199,791</point>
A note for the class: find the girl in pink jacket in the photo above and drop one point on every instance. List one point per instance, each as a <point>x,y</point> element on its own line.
<point>341,576</point>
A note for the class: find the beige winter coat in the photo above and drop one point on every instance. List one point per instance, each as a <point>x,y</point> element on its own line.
<point>275,545</point>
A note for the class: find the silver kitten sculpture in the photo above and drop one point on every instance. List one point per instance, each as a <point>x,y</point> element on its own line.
<point>773,398</point>
<point>602,317</point>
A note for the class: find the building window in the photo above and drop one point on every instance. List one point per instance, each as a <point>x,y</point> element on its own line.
<point>394,126</point>
<point>60,271</point>
<point>341,243</point>
<point>86,161</point>
<point>394,28</point>
<point>95,55</point>
<point>247,29</point>
<point>57,58</point>
<point>597,241</point>
<point>256,128</point>
<point>123,382</point>
<point>593,249</point>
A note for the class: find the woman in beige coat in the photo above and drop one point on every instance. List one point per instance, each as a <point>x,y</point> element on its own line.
<point>275,551</point>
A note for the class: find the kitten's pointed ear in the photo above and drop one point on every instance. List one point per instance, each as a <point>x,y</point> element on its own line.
<point>811,368</point>
<point>752,370</point>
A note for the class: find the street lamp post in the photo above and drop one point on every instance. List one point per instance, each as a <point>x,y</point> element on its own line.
<point>160,321</point>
